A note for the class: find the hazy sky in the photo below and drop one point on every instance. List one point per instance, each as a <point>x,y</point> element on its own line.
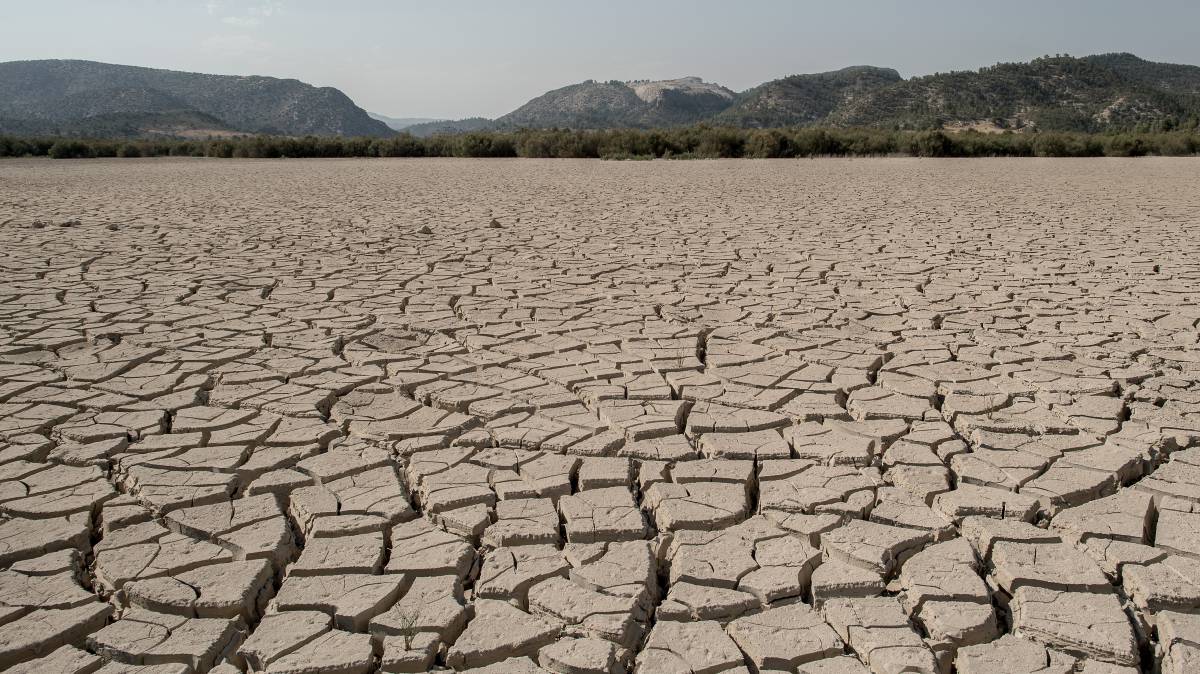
<point>446,58</point>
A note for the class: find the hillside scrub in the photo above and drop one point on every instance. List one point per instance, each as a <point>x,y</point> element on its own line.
<point>695,142</point>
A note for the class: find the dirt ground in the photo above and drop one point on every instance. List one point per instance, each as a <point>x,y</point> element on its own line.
<point>822,416</point>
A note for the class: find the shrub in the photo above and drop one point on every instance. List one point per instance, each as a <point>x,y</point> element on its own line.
<point>70,149</point>
<point>678,143</point>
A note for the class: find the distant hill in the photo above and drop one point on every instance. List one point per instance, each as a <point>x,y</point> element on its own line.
<point>1116,91</point>
<point>90,98</point>
<point>1054,93</point>
<point>805,99</point>
<point>402,123</point>
<point>450,126</point>
<point>614,104</point>
<point>1061,93</point>
<point>1168,76</point>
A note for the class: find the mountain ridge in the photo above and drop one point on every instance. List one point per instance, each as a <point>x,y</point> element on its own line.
<point>1116,91</point>
<point>1102,92</point>
<point>618,104</point>
<point>68,94</point>
<point>402,123</point>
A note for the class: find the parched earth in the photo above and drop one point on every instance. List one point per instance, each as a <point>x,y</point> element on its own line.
<point>828,417</point>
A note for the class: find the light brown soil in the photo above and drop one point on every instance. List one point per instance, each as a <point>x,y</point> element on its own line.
<point>521,416</point>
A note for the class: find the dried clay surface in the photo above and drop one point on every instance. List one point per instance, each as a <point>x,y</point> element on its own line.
<point>338,417</point>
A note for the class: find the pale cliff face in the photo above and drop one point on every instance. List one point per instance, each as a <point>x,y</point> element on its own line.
<point>652,92</point>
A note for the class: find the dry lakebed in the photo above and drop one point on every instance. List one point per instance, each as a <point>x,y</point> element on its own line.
<point>517,416</point>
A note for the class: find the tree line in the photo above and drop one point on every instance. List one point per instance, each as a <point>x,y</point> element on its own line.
<point>695,142</point>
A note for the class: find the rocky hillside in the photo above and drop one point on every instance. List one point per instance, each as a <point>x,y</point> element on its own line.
<point>615,104</point>
<point>1168,76</point>
<point>1061,93</point>
<point>1095,93</point>
<point>449,126</point>
<point>1053,93</point>
<point>806,99</point>
<point>89,98</point>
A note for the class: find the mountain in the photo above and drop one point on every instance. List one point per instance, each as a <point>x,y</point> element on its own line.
<point>1062,93</point>
<point>1053,93</point>
<point>1169,76</point>
<point>805,99</point>
<point>402,123</point>
<point>450,126</point>
<point>615,104</point>
<point>90,98</point>
<point>1117,91</point>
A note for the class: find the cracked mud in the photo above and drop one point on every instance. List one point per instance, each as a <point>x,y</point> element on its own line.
<point>519,416</point>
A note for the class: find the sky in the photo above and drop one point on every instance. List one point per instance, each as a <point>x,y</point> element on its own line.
<point>463,58</point>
